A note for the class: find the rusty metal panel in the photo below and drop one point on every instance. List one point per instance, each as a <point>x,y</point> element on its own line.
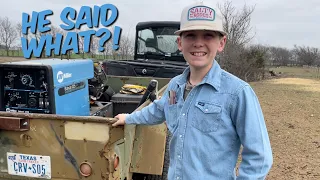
<point>129,134</point>
<point>47,137</point>
<point>150,143</point>
<point>44,117</point>
<point>14,124</point>
<point>133,133</point>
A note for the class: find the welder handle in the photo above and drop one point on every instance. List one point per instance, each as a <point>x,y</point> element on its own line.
<point>151,87</point>
<point>152,96</point>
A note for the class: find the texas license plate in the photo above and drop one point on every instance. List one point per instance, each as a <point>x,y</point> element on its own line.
<point>29,165</point>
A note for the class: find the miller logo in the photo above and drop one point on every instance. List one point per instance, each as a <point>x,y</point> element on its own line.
<point>61,76</point>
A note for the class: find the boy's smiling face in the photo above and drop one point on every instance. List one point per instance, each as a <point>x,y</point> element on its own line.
<point>200,47</point>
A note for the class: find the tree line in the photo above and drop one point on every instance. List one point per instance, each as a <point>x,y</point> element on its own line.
<point>250,61</point>
<point>240,57</point>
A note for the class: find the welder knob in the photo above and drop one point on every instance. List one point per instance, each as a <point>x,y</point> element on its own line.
<point>26,79</point>
<point>32,102</point>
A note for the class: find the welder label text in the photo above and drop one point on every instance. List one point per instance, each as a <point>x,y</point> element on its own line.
<point>71,88</point>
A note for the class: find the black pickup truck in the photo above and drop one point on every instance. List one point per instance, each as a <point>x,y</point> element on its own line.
<point>156,52</point>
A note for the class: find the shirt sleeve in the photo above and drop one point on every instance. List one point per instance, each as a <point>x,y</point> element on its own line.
<point>150,115</point>
<point>251,128</point>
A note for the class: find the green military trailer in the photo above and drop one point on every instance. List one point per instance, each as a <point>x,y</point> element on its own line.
<point>49,132</point>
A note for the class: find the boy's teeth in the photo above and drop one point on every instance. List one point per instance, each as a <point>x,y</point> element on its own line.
<point>198,54</point>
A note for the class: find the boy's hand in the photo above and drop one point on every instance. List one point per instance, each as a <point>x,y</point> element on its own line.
<point>121,120</point>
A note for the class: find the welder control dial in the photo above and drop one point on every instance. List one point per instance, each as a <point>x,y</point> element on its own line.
<point>32,102</point>
<point>26,80</point>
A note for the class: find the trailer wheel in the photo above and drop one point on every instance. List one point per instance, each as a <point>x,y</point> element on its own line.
<point>164,175</point>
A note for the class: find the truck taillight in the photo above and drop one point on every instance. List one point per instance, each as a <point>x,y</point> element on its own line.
<point>85,169</point>
<point>116,162</point>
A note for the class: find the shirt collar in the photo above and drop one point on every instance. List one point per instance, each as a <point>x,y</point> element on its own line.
<point>213,77</point>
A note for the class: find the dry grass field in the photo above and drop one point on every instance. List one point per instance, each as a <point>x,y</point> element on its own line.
<point>291,105</point>
<point>292,112</point>
<point>8,59</point>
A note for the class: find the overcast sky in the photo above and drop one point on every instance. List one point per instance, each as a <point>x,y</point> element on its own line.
<point>275,22</point>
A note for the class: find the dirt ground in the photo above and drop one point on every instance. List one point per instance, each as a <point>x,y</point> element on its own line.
<point>292,113</point>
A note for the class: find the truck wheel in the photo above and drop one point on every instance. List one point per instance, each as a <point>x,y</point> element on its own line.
<point>164,175</point>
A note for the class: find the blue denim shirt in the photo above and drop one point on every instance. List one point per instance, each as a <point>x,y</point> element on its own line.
<point>218,116</point>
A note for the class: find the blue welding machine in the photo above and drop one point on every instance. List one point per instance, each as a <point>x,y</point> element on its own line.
<point>49,86</point>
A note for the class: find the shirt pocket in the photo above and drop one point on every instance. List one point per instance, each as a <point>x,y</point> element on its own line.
<point>206,117</point>
<point>171,119</point>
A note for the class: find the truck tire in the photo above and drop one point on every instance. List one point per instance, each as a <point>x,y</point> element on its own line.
<point>164,175</point>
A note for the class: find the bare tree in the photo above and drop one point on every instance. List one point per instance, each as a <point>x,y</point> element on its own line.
<point>94,46</point>
<point>237,58</point>
<point>236,23</point>
<point>19,30</point>
<point>8,33</point>
<point>107,50</point>
<point>29,36</point>
<point>125,50</point>
<point>63,33</point>
<point>307,55</point>
<point>81,44</point>
<point>37,36</point>
<point>115,54</point>
<point>53,32</point>
<point>280,56</point>
<point>126,47</point>
<point>248,63</point>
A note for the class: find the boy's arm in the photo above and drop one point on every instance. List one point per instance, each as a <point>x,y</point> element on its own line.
<point>149,115</point>
<point>250,125</point>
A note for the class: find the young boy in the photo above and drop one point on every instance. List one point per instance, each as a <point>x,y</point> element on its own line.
<point>209,112</point>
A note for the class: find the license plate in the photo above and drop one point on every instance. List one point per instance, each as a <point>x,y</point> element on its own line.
<point>29,165</point>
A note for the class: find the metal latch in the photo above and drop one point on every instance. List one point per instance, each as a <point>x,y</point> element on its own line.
<point>14,124</point>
